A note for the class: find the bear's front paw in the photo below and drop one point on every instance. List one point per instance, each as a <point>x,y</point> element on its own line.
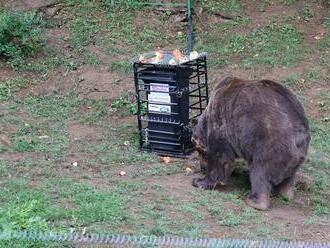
<point>203,183</point>
<point>262,202</point>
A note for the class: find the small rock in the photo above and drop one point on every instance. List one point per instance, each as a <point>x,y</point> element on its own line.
<point>75,164</point>
<point>43,137</point>
<point>122,173</point>
<point>189,171</point>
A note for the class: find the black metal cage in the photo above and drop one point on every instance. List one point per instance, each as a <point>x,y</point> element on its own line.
<point>168,97</point>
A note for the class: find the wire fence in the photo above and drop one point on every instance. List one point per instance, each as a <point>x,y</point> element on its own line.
<point>134,241</point>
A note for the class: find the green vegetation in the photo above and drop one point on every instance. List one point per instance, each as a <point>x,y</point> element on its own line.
<point>8,87</point>
<point>227,7</point>
<point>121,66</point>
<point>288,2</point>
<point>271,45</point>
<point>126,100</point>
<point>20,36</point>
<point>307,13</point>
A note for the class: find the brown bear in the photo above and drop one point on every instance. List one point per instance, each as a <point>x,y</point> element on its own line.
<point>261,122</point>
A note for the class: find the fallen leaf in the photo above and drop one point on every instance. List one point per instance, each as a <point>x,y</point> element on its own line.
<point>165,160</point>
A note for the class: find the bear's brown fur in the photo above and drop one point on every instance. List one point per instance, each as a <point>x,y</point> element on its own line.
<point>259,121</point>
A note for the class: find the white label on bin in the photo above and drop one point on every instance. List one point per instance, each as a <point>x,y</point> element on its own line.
<point>159,97</point>
<point>159,87</point>
<point>160,108</point>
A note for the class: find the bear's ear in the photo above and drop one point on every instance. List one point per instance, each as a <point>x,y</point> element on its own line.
<point>194,121</point>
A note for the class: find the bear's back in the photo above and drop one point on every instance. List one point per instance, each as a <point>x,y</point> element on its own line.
<point>262,97</point>
<point>257,113</point>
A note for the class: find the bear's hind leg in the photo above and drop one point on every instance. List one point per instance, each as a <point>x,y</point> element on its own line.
<point>259,197</point>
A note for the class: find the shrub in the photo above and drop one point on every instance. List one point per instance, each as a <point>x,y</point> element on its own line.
<point>20,36</point>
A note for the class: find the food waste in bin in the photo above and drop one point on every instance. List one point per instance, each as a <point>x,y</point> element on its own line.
<point>175,57</point>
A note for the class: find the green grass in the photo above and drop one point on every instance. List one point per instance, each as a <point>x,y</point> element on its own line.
<point>50,136</point>
<point>48,62</point>
<point>41,138</point>
<point>20,36</point>
<point>116,31</point>
<point>52,107</point>
<point>23,207</point>
<point>324,106</point>
<point>227,7</point>
<point>126,101</point>
<point>264,3</point>
<point>307,13</point>
<point>91,59</point>
<point>271,45</point>
<point>121,66</point>
<point>93,205</point>
<point>320,136</point>
<point>40,207</point>
<point>296,81</point>
<point>9,87</point>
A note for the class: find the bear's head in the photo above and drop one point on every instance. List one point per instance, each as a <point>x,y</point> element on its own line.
<point>199,139</point>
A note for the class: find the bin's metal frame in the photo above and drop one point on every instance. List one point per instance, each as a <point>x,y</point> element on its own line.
<point>198,100</point>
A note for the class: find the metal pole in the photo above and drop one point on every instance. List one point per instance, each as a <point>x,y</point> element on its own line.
<point>190,37</point>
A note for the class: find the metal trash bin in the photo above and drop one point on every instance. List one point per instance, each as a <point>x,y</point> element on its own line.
<point>168,97</point>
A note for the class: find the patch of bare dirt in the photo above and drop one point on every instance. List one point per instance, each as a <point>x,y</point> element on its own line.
<point>24,5</point>
<point>118,120</point>
<point>313,30</point>
<point>78,131</point>
<point>78,157</point>
<point>179,184</point>
<point>101,55</point>
<point>57,81</point>
<point>317,233</point>
<point>5,140</point>
<point>312,107</point>
<point>102,83</point>
<point>262,18</point>
<point>286,215</point>
<point>56,38</point>
<point>6,72</point>
<point>19,156</point>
